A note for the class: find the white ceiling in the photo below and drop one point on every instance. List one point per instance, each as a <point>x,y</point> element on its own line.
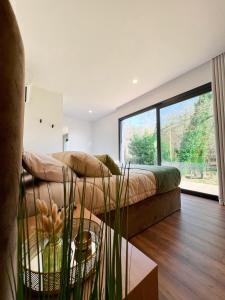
<point>91,50</point>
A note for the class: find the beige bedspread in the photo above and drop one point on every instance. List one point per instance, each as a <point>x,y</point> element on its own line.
<point>142,184</point>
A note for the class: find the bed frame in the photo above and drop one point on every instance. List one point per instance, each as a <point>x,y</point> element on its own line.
<point>141,215</point>
<point>147,212</point>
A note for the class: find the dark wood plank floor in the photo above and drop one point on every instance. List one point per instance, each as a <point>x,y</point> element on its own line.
<point>189,247</point>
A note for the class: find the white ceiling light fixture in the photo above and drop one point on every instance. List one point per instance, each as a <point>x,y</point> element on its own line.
<point>90,111</point>
<point>135,81</point>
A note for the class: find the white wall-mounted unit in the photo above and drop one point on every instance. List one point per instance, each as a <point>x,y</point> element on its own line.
<point>43,123</point>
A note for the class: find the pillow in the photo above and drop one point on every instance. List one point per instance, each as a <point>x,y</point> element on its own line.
<point>46,167</point>
<point>83,164</point>
<point>109,163</point>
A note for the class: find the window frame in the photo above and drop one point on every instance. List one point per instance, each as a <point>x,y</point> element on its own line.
<point>205,88</point>
<point>135,114</point>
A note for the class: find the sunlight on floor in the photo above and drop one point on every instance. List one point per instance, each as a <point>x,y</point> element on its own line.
<point>199,187</point>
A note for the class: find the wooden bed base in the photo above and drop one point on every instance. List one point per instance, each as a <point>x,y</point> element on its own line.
<point>147,212</point>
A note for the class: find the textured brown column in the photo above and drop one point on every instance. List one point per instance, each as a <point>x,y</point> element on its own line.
<point>11,128</point>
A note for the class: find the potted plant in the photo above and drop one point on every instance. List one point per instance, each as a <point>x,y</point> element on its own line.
<point>59,242</point>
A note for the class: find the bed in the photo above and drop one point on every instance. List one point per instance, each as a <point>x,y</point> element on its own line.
<point>153,194</point>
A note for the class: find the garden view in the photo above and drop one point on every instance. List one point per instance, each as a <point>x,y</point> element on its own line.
<point>187,139</point>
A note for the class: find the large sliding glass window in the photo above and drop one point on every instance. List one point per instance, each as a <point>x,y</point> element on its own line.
<point>188,142</point>
<point>178,132</point>
<point>138,139</point>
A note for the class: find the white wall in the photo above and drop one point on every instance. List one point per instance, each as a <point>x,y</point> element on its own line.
<point>48,106</point>
<point>105,130</point>
<point>94,137</point>
<point>80,137</point>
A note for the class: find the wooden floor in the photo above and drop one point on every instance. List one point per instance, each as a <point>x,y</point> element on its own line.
<point>189,247</point>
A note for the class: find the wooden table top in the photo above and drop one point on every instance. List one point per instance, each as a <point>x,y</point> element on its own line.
<point>143,272</point>
<point>140,266</point>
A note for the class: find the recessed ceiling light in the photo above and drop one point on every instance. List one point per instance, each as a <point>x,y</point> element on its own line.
<point>135,81</point>
<point>90,111</point>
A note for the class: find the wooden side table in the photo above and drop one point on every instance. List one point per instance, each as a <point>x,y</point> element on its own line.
<point>143,272</point>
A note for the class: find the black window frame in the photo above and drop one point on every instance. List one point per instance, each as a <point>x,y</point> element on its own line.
<point>206,88</point>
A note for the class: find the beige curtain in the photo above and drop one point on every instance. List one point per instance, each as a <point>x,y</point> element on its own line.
<point>218,86</point>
